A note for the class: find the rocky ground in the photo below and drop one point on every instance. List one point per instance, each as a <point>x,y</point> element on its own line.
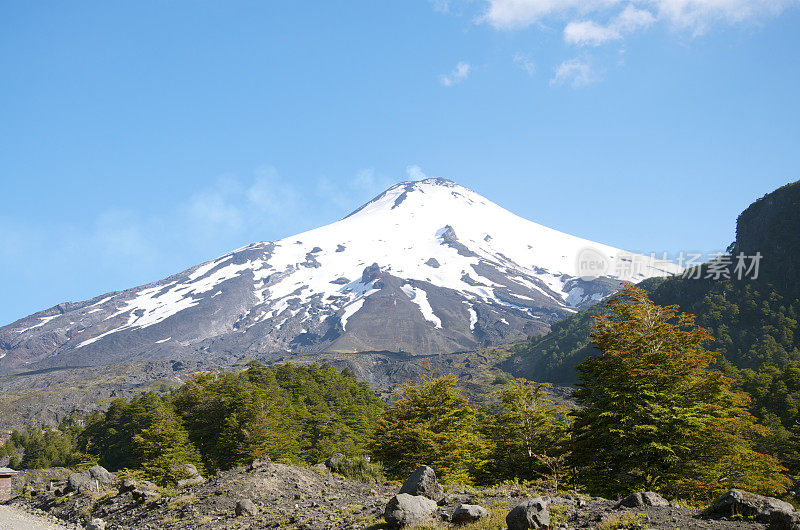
<point>272,495</point>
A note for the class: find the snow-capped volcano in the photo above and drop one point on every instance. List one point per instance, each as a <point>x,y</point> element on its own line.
<point>425,267</point>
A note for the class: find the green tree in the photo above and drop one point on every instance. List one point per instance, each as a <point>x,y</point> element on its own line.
<point>431,424</point>
<point>44,447</point>
<point>144,433</point>
<point>234,421</point>
<point>524,429</point>
<point>164,443</point>
<point>292,413</point>
<point>656,417</point>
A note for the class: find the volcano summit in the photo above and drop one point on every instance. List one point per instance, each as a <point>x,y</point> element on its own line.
<point>425,267</point>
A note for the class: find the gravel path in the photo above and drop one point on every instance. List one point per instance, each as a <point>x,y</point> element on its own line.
<point>14,519</point>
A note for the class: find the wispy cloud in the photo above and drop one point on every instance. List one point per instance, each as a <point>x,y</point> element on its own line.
<point>527,65</point>
<point>576,73</point>
<point>459,73</point>
<point>588,32</point>
<point>119,247</point>
<point>415,173</point>
<point>442,6</point>
<point>347,194</point>
<point>594,22</point>
<point>231,211</point>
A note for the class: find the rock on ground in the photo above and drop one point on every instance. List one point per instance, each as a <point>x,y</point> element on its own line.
<point>468,513</point>
<point>738,502</point>
<point>423,482</point>
<point>90,480</point>
<point>532,513</point>
<point>300,498</point>
<point>775,512</point>
<point>646,498</point>
<point>404,509</point>
<point>246,508</point>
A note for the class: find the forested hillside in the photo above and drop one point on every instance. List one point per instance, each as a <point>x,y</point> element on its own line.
<point>754,321</point>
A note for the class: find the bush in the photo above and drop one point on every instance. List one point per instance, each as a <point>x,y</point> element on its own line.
<point>357,468</point>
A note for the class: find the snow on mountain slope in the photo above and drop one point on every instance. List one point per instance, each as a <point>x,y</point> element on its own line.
<point>425,267</point>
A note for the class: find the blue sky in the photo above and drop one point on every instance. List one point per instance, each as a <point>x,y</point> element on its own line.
<point>140,138</point>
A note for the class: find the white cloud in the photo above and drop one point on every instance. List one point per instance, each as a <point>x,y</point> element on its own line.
<point>597,21</point>
<point>415,173</point>
<point>698,15</point>
<point>525,63</point>
<point>347,194</point>
<point>632,19</point>
<point>591,33</point>
<point>588,32</point>
<point>519,14</point>
<point>575,72</point>
<point>442,6</point>
<point>459,73</point>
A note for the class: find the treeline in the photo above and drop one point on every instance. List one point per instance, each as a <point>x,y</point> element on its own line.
<point>295,414</point>
<point>654,415</point>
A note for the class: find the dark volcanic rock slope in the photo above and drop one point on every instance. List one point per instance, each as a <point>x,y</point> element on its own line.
<point>425,267</point>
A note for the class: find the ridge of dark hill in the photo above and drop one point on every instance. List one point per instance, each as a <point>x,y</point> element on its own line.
<point>754,321</point>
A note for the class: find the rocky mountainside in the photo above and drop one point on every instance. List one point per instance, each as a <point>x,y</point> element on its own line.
<point>425,267</point>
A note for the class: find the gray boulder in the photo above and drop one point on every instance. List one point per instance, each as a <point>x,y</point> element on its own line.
<point>423,482</point>
<point>185,475</point>
<point>184,471</point>
<point>81,482</point>
<point>145,492</point>
<point>468,513</point>
<point>780,520</point>
<point>101,475</point>
<point>187,482</point>
<point>89,480</point>
<point>642,499</point>
<point>746,504</point>
<point>532,513</point>
<point>404,509</point>
<point>246,508</point>
<point>454,499</point>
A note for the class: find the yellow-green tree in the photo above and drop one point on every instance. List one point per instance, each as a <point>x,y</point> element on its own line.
<point>431,424</point>
<point>525,429</point>
<point>656,416</point>
<point>164,444</point>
